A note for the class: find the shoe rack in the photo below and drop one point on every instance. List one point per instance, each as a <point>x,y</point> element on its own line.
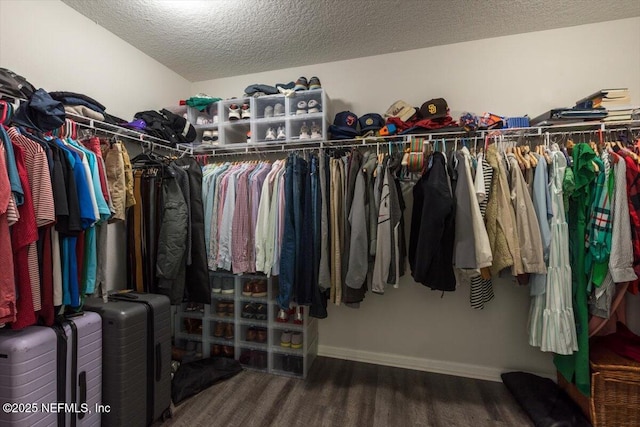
<point>241,322</point>
<point>270,111</point>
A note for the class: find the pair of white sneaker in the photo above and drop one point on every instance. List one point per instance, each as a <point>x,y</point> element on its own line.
<point>310,107</point>
<point>236,112</point>
<point>203,120</point>
<point>314,134</point>
<point>210,137</point>
<point>271,134</point>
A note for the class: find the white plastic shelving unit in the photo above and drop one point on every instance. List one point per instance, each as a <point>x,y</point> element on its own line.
<point>291,119</point>
<point>268,356</point>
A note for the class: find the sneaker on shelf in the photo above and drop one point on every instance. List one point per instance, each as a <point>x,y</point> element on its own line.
<point>259,288</point>
<point>260,360</point>
<point>227,285</point>
<point>234,112</point>
<point>297,366</point>
<point>201,120</point>
<point>216,288</point>
<point>314,107</point>
<point>315,131</point>
<point>285,339</point>
<point>231,309</point>
<point>281,134</point>
<point>218,330</point>
<point>215,119</point>
<point>283,316</point>
<point>261,312</point>
<point>221,308</point>
<point>228,331</point>
<point>296,340</point>
<point>286,363</point>
<point>271,134</point>
<point>246,111</point>
<point>249,311</point>
<point>268,111</point>
<point>248,136</point>
<point>246,288</point>
<point>261,335</point>
<point>301,84</point>
<point>304,131</point>
<point>216,350</point>
<point>278,110</point>
<point>207,137</point>
<point>298,317</point>
<point>251,335</point>
<point>214,137</point>
<point>314,83</point>
<point>227,351</point>
<point>302,107</point>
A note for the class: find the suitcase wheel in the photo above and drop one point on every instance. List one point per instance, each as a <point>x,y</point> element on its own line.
<point>168,413</point>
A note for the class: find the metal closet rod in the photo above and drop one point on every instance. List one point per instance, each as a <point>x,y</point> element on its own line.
<point>384,142</point>
<point>265,148</point>
<point>148,141</point>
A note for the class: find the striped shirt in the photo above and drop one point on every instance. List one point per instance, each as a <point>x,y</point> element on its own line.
<point>37,165</point>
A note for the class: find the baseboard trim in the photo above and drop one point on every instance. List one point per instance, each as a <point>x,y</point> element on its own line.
<point>418,364</point>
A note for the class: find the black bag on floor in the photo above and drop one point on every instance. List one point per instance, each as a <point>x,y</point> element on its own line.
<point>546,404</point>
<point>194,377</point>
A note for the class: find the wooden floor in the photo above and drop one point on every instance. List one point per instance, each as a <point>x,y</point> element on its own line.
<point>341,393</point>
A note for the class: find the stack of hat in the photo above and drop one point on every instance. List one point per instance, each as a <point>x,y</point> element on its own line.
<point>347,125</point>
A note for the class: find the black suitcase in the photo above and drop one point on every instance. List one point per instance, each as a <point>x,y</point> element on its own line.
<point>136,360</point>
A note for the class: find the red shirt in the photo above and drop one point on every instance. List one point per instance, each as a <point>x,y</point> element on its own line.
<point>23,233</point>
<point>7,280</point>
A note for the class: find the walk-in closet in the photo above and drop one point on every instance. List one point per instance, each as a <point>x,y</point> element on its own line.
<point>369,213</point>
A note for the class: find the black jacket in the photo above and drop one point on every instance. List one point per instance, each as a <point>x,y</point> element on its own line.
<point>433,228</point>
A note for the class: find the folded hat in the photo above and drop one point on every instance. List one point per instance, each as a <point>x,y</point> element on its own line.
<point>344,124</point>
<point>401,110</point>
<point>371,121</point>
<point>434,109</point>
<point>40,112</point>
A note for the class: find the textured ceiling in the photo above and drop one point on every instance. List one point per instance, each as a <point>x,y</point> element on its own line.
<point>203,40</point>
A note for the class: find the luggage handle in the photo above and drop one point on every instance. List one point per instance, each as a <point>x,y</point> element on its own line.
<point>82,379</point>
<point>123,296</point>
<point>158,362</point>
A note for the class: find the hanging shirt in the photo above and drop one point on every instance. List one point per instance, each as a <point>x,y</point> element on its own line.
<point>12,170</point>
<point>7,278</point>
<point>24,234</point>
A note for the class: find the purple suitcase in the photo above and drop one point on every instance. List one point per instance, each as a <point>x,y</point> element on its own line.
<point>83,382</point>
<point>28,372</point>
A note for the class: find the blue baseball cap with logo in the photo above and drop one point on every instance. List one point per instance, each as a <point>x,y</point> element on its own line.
<point>345,125</point>
<point>371,121</point>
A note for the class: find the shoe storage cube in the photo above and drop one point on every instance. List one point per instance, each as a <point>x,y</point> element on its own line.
<point>261,126</point>
<point>266,356</point>
<point>296,117</point>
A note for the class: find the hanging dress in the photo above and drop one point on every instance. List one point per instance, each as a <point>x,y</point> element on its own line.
<point>558,324</point>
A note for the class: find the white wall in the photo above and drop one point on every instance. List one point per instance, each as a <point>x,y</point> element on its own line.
<point>527,73</point>
<point>57,48</point>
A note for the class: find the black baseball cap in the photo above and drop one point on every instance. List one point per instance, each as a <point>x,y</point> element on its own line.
<point>434,109</point>
<point>371,121</point>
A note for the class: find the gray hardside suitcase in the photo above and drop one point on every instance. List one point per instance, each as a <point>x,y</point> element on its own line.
<point>28,374</point>
<point>82,383</point>
<point>136,360</point>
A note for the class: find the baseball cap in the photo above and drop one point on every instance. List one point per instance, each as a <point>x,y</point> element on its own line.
<point>434,109</point>
<point>400,109</point>
<point>371,121</point>
<point>40,112</point>
<point>345,125</point>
